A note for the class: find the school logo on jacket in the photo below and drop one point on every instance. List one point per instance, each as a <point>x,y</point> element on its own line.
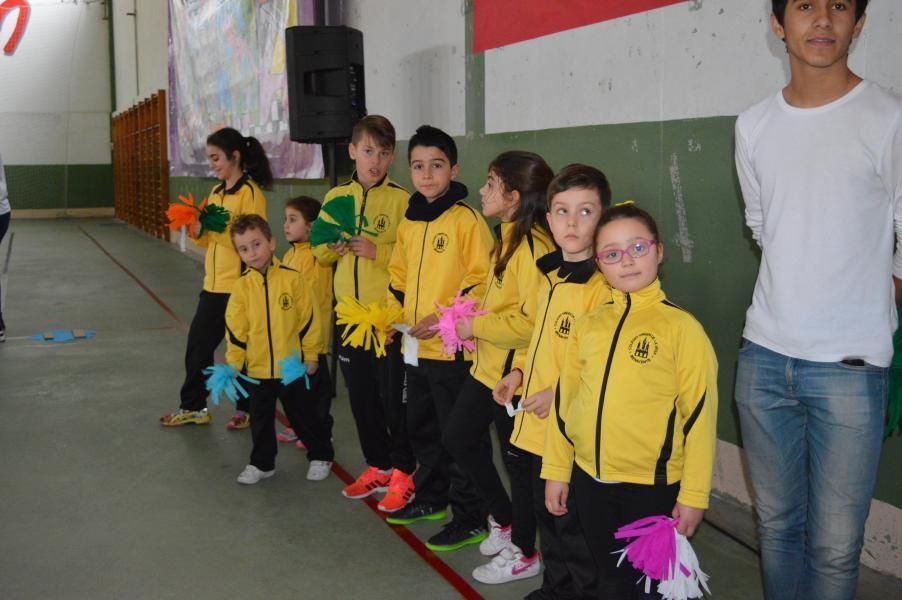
<point>285,302</point>
<point>563,324</point>
<point>643,348</point>
<point>440,242</point>
<point>381,223</point>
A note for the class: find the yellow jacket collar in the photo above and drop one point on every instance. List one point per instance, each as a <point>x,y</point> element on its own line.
<point>649,295</point>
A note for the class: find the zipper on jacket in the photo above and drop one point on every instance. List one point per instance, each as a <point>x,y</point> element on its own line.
<point>272,359</point>
<point>416,302</point>
<point>604,385</point>
<point>538,343</point>
<point>357,258</point>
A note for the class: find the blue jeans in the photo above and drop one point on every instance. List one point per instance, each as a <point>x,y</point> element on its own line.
<point>812,434</point>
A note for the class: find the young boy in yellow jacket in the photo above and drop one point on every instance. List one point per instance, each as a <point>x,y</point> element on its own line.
<point>375,385</point>
<point>572,286</point>
<point>300,213</point>
<point>443,247</point>
<point>272,315</point>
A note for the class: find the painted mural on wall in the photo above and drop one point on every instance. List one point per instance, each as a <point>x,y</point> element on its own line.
<point>498,23</point>
<point>227,68</point>
<point>24,11</point>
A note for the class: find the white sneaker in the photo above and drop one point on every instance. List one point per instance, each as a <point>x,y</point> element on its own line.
<point>499,539</point>
<point>319,470</point>
<point>251,475</point>
<point>509,565</point>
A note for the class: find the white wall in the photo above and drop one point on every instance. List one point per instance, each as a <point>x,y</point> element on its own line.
<point>414,56</point>
<point>689,60</point>
<point>151,63</point>
<point>55,88</point>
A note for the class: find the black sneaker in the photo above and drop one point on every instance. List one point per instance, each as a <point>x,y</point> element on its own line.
<point>417,511</point>
<point>2,330</point>
<point>456,535</point>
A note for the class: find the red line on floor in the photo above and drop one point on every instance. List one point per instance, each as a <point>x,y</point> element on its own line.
<point>438,565</point>
<point>150,293</point>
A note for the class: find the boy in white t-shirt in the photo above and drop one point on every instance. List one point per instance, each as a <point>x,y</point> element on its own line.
<point>820,166</point>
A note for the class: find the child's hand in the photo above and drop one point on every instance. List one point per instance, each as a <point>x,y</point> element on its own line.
<point>556,493</point>
<point>195,230</point>
<point>390,336</point>
<point>464,329</point>
<point>504,389</point>
<point>690,518</point>
<point>362,246</point>
<point>339,248</point>
<point>539,403</point>
<point>421,330</point>
<point>312,366</point>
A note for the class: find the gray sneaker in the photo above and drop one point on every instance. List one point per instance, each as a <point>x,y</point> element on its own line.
<point>319,470</point>
<point>251,475</point>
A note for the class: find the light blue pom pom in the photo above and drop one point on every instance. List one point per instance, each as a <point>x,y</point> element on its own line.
<point>293,369</point>
<point>222,380</point>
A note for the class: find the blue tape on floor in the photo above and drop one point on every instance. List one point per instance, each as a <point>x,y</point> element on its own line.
<point>62,335</point>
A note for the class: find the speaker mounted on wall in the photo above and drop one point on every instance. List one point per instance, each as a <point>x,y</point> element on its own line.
<point>326,94</point>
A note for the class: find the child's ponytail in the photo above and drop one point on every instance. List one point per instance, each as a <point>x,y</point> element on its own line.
<point>256,163</point>
<point>529,174</point>
<point>253,161</point>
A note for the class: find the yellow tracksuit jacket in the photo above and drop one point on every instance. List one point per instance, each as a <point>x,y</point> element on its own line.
<point>637,398</point>
<point>510,302</point>
<point>319,277</point>
<point>382,208</point>
<point>569,291</point>
<point>222,265</point>
<point>442,247</point>
<point>269,315</point>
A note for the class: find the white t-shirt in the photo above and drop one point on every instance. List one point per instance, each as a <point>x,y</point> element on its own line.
<point>823,198</point>
<point>4,197</point>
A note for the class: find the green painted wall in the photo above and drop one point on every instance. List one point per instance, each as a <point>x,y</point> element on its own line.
<point>59,186</point>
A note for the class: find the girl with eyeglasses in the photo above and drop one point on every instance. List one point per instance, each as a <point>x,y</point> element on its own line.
<point>633,423</point>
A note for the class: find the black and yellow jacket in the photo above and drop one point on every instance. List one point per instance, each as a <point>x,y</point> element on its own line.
<point>637,398</point>
<point>442,247</point>
<point>381,209</point>
<point>222,265</point>
<point>510,305</point>
<point>269,315</point>
<point>319,277</point>
<point>569,290</point>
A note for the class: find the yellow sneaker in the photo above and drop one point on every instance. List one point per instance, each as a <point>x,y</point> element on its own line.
<point>186,417</point>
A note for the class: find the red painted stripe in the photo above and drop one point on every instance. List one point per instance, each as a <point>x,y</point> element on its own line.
<point>437,564</point>
<point>501,22</point>
<point>150,293</point>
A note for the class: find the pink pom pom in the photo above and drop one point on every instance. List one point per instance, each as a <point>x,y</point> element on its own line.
<point>461,308</point>
<point>653,551</point>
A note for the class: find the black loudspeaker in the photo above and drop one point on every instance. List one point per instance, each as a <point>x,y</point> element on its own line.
<point>326,94</point>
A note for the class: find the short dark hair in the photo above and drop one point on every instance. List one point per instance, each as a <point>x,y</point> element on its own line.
<point>577,176</point>
<point>244,223</point>
<point>377,127</point>
<point>778,7</point>
<point>427,135</point>
<point>307,206</point>
<point>628,210</point>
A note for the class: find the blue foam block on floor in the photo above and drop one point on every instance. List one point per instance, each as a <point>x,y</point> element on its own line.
<point>63,335</point>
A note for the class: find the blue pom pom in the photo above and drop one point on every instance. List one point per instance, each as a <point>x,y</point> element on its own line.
<point>293,369</point>
<point>222,380</point>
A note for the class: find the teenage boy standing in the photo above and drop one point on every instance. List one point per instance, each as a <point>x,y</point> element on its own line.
<point>820,165</point>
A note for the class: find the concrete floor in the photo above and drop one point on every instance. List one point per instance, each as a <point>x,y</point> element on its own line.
<point>101,502</point>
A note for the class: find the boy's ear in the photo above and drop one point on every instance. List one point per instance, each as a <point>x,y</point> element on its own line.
<point>778,29</point>
<point>352,151</point>
<point>455,170</point>
<point>858,26</point>
<point>272,244</point>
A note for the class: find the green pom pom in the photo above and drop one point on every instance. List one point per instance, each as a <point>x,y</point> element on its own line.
<point>213,218</point>
<point>343,222</point>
